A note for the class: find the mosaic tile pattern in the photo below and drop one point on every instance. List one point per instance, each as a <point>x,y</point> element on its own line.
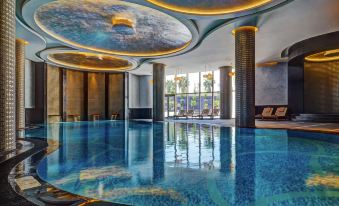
<point>88,24</point>
<point>20,84</point>
<point>7,75</point>
<point>245,77</point>
<point>140,163</point>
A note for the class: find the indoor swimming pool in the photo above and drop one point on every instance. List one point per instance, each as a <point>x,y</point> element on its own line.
<point>146,164</point>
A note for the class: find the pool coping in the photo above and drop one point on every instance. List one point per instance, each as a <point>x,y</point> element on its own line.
<point>40,147</point>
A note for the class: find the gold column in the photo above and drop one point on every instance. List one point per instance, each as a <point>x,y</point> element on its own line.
<point>245,76</point>
<point>7,75</point>
<point>20,84</point>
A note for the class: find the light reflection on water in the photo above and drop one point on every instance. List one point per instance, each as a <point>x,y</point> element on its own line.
<point>141,163</point>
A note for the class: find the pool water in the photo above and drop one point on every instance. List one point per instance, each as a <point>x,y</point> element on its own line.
<point>146,164</point>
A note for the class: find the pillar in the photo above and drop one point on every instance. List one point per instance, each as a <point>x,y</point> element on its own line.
<point>158,91</point>
<point>20,85</point>
<point>226,92</point>
<point>158,151</point>
<point>7,75</point>
<point>245,76</point>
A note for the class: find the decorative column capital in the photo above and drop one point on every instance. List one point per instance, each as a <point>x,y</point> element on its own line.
<point>245,28</point>
<point>158,65</point>
<point>21,41</point>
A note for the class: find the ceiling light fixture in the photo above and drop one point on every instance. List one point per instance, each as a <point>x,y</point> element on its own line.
<point>124,23</point>
<point>198,8</point>
<point>326,56</point>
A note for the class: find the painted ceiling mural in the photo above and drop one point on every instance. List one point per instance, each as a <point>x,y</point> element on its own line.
<point>114,27</point>
<point>89,61</point>
<point>210,7</point>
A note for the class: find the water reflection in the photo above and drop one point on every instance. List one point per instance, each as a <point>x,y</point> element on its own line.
<point>141,163</point>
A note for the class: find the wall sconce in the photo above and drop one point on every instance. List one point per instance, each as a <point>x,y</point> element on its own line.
<point>231,74</point>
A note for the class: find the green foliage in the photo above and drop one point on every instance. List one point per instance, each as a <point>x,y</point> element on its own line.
<point>194,102</point>
<point>182,101</point>
<point>183,84</point>
<point>170,87</point>
<point>216,103</point>
<point>205,101</point>
<point>208,84</point>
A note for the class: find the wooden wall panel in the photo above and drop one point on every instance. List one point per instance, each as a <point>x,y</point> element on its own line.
<point>321,87</point>
<point>75,94</point>
<point>96,94</point>
<point>116,102</point>
<point>53,94</point>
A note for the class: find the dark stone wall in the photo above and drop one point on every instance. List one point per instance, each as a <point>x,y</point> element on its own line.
<point>37,114</point>
<point>271,85</point>
<point>321,85</point>
<point>296,88</point>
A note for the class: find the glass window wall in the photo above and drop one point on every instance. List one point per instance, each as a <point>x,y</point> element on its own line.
<point>194,91</point>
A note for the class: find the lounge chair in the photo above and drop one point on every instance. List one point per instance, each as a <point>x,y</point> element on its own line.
<point>214,113</point>
<point>280,113</point>
<point>181,113</point>
<point>114,116</point>
<point>267,112</point>
<point>190,113</point>
<point>204,113</point>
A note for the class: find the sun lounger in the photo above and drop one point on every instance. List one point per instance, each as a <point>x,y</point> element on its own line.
<point>204,113</point>
<point>280,113</point>
<point>190,113</point>
<point>267,112</point>
<point>181,113</point>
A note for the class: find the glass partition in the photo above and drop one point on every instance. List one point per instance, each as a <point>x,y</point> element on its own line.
<point>194,82</point>
<point>181,102</point>
<point>194,91</point>
<point>170,84</point>
<point>182,83</point>
<point>206,81</point>
<point>206,101</point>
<point>194,103</point>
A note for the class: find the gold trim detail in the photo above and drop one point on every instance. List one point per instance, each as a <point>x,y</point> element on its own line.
<point>206,12</point>
<point>98,57</point>
<point>325,56</point>
<point>242,28</point>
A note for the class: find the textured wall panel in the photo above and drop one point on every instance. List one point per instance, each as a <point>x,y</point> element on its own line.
<point>20,83</point>
<point>7,75</point>
<point>29,84</point>
<point>245,77</point>
<point>158,91</point>
<point>96,94</point>
<point>116,95</point>
<point>75,94</point>
<point>271,85</point>
<point>321,87</point>
<point>53,93</point>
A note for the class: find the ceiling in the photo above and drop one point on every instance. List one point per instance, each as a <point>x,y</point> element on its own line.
<point>185,42</point>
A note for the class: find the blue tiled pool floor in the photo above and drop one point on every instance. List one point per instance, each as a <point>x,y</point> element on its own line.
<point>140,163</point>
